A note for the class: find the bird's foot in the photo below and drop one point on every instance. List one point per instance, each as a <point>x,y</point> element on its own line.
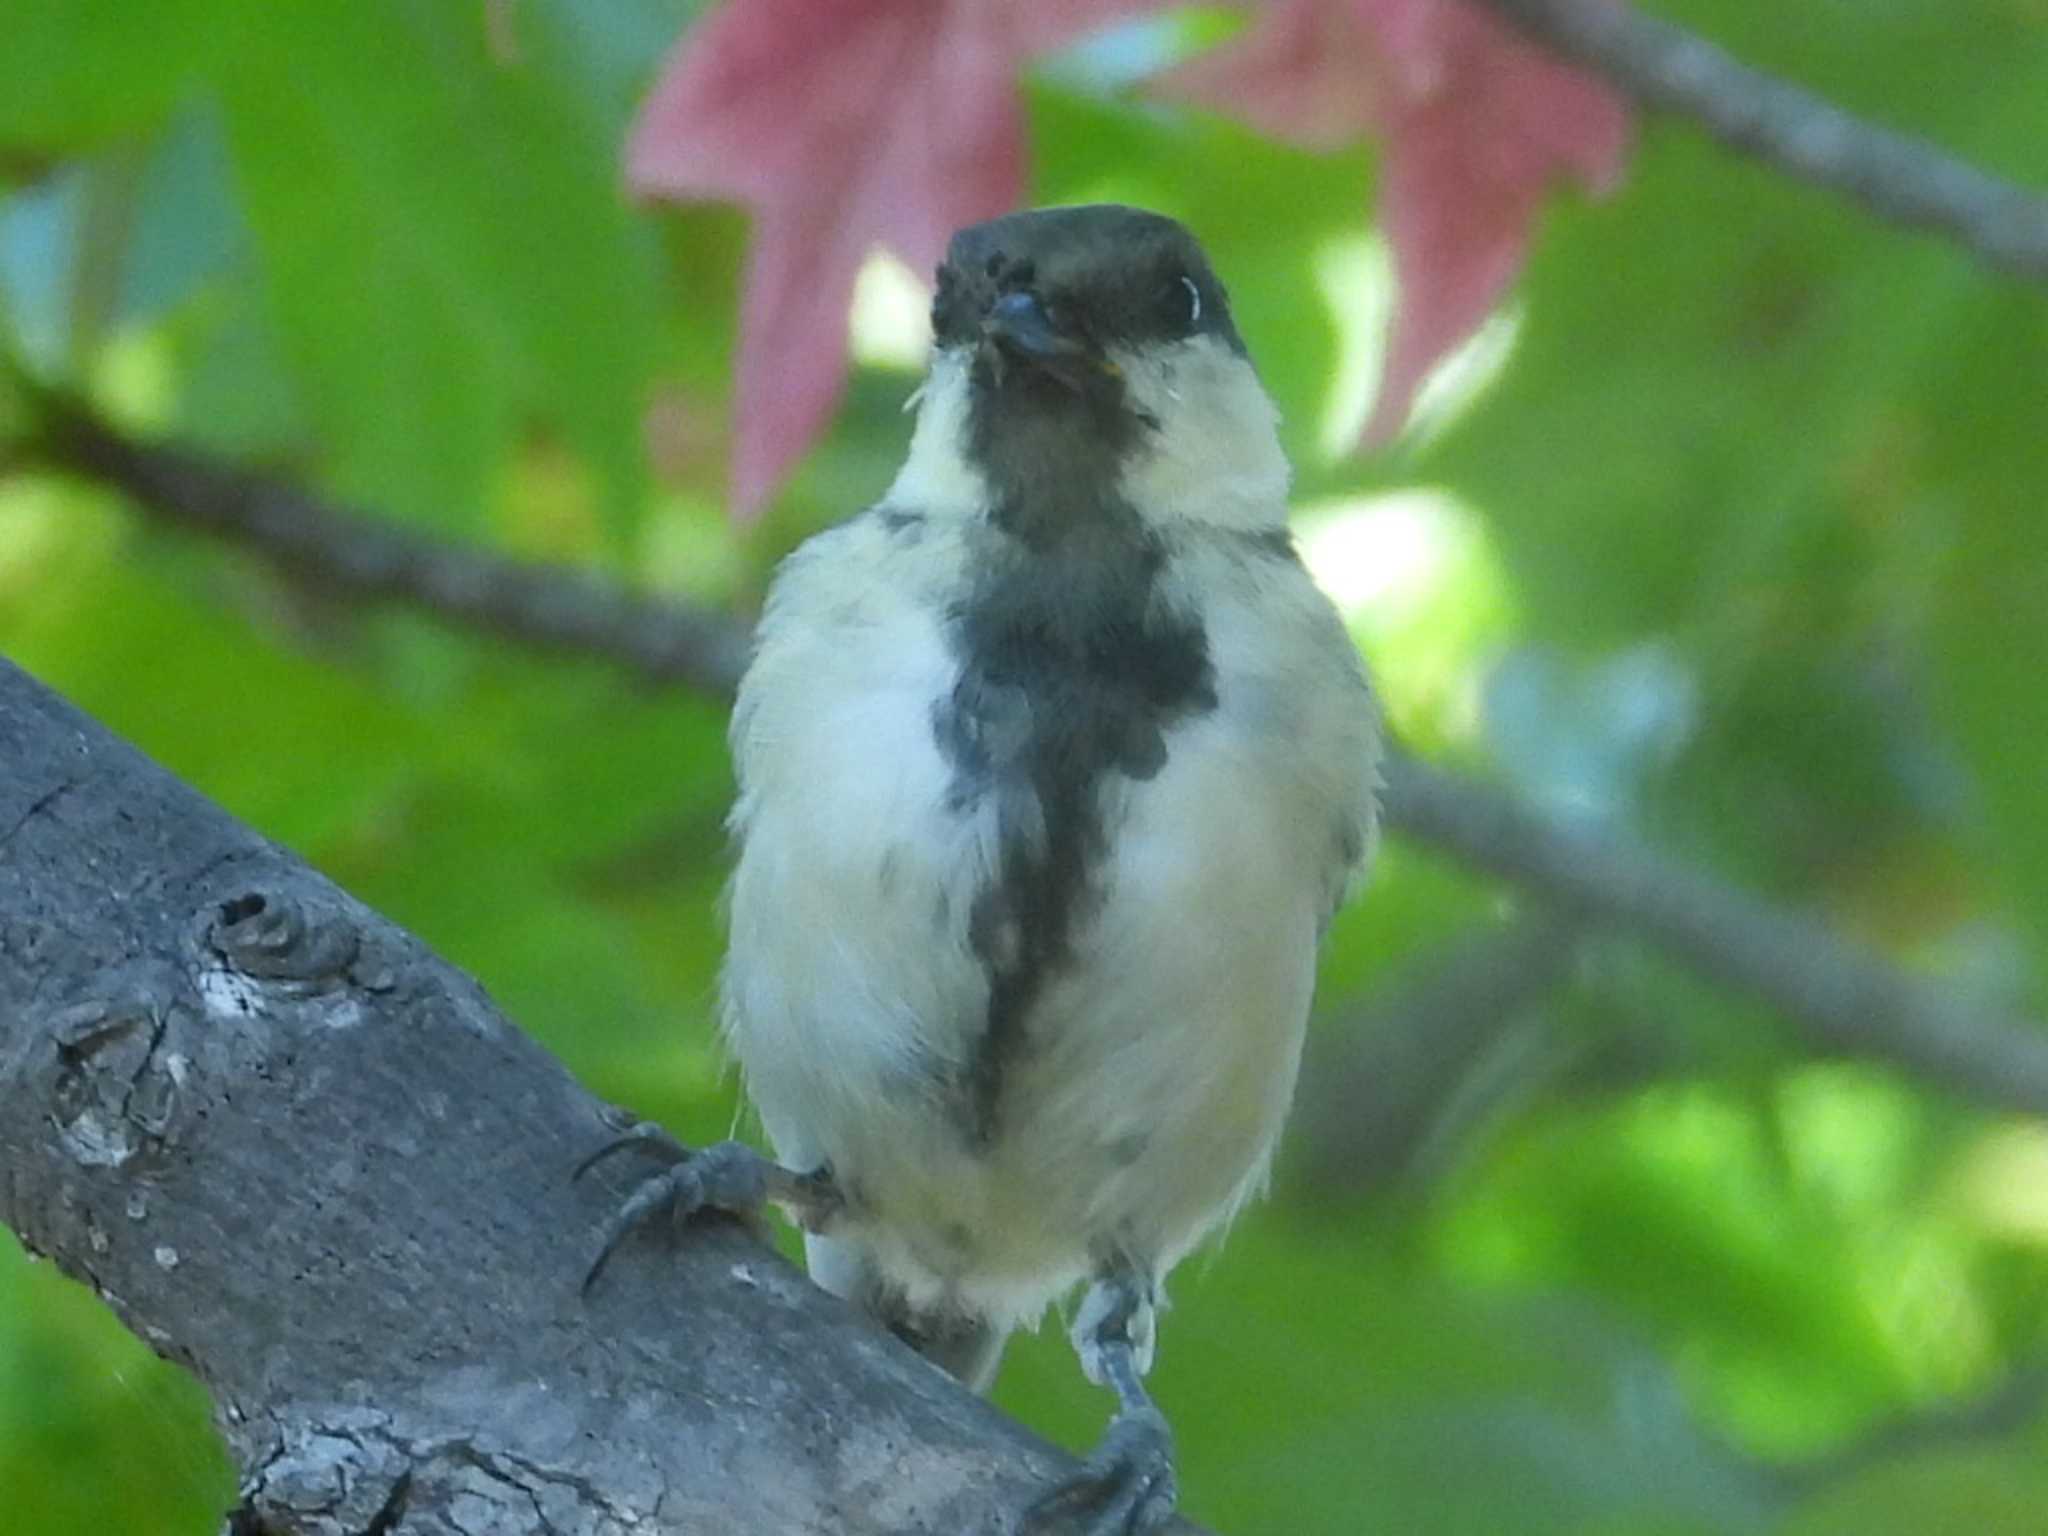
<point>1126,1487</point>
<point>728,1176</point>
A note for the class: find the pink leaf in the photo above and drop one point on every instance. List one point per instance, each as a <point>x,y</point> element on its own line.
<point>1486,125</point>
<point>842,125</point>
<point>1477,126</point>
<point>1304,73</point>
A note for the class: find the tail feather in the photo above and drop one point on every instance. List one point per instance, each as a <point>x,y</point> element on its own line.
<point>969,1349</point>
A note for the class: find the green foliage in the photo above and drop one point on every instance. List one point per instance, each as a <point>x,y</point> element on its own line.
<point>77,71</point>
<point>1978,1491</point>
<point>1735,547</point>
<point>443,251</point>
<point>96,1433</point>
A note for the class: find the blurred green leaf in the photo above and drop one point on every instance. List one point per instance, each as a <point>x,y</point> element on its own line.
<point>1988,456</point>
<point>96,1433</point>
<point>1985,1492</point>
<point>447,257</point>
<point>79,71</point>
<point>156,637</point>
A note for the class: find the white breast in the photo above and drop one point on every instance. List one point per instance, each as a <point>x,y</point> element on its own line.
<point>848,976</point>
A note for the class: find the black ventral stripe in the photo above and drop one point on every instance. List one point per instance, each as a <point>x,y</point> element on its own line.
<point>1072,674</point>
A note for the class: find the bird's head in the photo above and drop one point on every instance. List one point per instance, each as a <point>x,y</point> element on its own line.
<point>1092,348</point>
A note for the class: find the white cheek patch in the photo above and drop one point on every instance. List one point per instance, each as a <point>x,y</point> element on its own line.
<point>1194,301</point>
<point>1214,455</point>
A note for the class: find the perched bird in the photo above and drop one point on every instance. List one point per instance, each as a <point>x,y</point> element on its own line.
<point>1053,767</point>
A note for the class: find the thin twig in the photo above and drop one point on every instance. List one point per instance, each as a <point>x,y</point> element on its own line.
<point>1845,998</point>
<point>1896,176</point>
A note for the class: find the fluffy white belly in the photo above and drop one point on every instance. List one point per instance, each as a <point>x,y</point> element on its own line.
<point>1142,1105</point>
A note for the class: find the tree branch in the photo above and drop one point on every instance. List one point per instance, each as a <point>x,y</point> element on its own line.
<point>1844,998</point>
<point>1895,176</point>
<point>347,553</point>
<point>309,1160</point>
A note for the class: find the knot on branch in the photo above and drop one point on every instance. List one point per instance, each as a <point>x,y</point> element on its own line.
<point>273,936</point>
<point>116,1089</point>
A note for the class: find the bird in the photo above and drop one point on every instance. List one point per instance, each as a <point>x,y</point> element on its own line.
<point>1053,766</point>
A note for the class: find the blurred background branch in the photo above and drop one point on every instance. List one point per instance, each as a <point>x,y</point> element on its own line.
<point>1844,998</point>
<point>350,555</point>
<point>1896,176</point>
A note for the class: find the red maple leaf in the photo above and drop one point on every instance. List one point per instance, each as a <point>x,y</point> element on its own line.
<point>842,125</point>
<point>1477,126</point>
<point>849,124</point>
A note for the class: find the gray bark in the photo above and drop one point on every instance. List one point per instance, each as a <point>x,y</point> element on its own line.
<point>306,1158</point>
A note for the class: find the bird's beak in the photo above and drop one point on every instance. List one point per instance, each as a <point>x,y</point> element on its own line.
<point>1017,329</point>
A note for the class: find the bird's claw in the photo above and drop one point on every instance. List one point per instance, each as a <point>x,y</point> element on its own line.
<point>643,1137</point>
<point>729,1176</point>
<point>1126,1487</point>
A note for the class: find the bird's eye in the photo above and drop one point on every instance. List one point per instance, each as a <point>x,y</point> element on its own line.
<point>1190,298</point>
